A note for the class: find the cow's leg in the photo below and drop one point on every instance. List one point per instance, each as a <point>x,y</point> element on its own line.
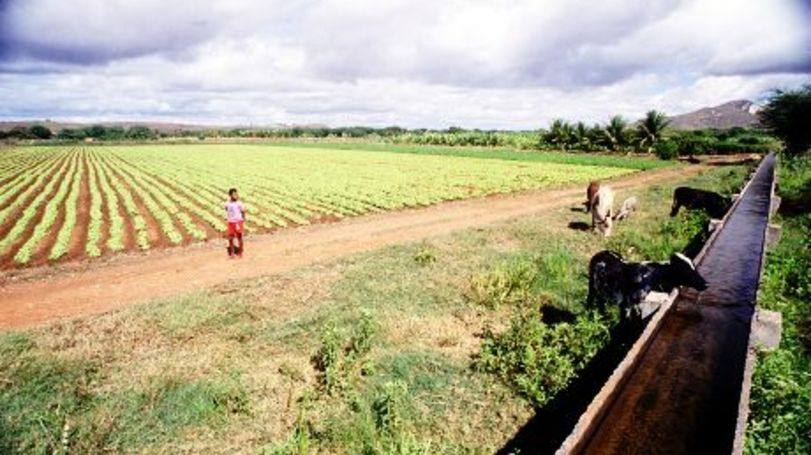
<point>674,210</point>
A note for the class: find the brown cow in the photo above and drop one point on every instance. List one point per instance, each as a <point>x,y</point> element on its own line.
<point>591,191</point>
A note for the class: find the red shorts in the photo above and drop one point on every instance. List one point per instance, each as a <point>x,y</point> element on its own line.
<point>235,229</point>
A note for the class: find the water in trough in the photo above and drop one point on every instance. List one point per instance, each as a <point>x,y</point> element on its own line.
<point>683,395</point>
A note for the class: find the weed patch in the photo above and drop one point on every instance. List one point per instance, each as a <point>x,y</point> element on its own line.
<point>780,421</point>
<point>538,360</point>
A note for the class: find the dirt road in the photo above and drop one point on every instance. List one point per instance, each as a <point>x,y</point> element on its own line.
<point>103,287</point>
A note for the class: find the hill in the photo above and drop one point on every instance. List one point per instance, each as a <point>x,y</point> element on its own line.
<point>741,113</point>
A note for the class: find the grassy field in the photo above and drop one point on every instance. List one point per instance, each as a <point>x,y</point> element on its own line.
<point>65,202</point>
<point>780,419</point>
<point>582,158</point>
<point>425,347</point>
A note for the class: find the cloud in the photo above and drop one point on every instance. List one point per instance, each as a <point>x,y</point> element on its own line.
<point>411,62</point>
<point>99,31</point>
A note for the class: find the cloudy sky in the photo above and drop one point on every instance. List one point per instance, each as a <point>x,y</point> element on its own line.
<point>417,63</point>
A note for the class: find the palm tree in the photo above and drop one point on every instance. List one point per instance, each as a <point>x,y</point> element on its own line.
<point>580,136</point>
<point>650,129</point>
<point>615,132</point>
<point>560,134</point>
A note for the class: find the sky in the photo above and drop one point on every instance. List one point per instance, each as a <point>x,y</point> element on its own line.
<point>511,64</point>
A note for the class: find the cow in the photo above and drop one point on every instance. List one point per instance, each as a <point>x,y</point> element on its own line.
<point>614,281</point>
<point>602,210</point>
<point>713,203</point>
<point>592,189</point>
<point>628,206</point>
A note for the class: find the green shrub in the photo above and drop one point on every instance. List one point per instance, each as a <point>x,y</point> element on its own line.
<point>538,360</point>
<point>387,406</point>
<point>425,255</point>
<point>341,352</point>
<point>666,149</point>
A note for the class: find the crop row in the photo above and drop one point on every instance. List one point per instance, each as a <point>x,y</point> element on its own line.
<point>142,196</point>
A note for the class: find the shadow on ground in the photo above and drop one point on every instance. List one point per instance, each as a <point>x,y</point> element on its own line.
<point>579,226</point>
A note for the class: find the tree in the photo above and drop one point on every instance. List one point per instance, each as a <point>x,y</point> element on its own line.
<point>140,132</point>
<point>616,132</point>
<point>561,134</point>
<point>580,136</point>
<point>71,134</point>
<point>787,115</point>
<point>650,129</point>
<point>95,131</point>
<point>40,132</point>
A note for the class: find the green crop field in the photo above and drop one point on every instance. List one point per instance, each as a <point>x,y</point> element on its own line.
<point>58,203</point>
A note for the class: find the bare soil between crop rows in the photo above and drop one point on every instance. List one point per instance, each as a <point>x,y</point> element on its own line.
<point>34,296</point>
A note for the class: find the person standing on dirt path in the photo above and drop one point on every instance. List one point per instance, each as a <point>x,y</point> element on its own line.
<point>235,216</point>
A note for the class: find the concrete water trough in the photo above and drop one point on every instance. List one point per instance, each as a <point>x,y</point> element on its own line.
<point>683,387</point>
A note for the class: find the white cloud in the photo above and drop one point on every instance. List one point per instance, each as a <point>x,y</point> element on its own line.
<point>414,63</point>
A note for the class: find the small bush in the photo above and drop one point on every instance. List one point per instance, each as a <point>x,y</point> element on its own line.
<point>328,358</point>
<point>387,406</point>
<point>538,360</point>
<point>425,256</point>
<point>340,353</point>
<point>666,149</point>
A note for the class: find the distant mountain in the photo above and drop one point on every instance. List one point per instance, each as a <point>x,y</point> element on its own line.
<point>734,113</point>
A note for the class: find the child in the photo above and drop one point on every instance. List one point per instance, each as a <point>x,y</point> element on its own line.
<point>235,215</point>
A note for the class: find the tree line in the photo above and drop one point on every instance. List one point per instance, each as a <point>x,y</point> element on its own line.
<point>785,116</point>
<point>97,132</point>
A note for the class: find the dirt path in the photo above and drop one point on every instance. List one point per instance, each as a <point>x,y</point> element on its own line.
<point>102,287</point>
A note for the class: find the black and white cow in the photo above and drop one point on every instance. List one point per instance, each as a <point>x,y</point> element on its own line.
<point>614,281</point>
<point>713,203</point>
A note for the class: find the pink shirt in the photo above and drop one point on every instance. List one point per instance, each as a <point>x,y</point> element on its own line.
<point>233,211</point>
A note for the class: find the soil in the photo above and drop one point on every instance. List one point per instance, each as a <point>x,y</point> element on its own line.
<point>35,296</point>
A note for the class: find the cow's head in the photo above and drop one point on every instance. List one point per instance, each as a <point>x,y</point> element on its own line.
<point>685,273</point>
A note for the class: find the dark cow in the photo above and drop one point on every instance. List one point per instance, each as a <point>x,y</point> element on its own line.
<point>713,203</point>
<point>614,281</point>
<point>591,191</point>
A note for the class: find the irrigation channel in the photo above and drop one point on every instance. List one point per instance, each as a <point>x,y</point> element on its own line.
<point>682,391</point>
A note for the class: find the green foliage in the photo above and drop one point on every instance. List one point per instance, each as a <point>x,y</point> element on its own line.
<point>387,406</point>
<point>719,142</point>
<point>339,358</point>
<point>425,255</point>
<point>552,278</point>
<point>107,133</point>
<point>779,421</point>
<point>671,235</point>
<point>617,132</point>
<point>666,149</point>
<point>787,115</point>
<point>538,360</point>
<point>40,132</point>
<point>650,130</point>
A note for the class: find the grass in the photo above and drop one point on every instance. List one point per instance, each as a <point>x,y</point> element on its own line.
<point>780,421</point>
<point>592,159</point>
<point>381,352</point>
